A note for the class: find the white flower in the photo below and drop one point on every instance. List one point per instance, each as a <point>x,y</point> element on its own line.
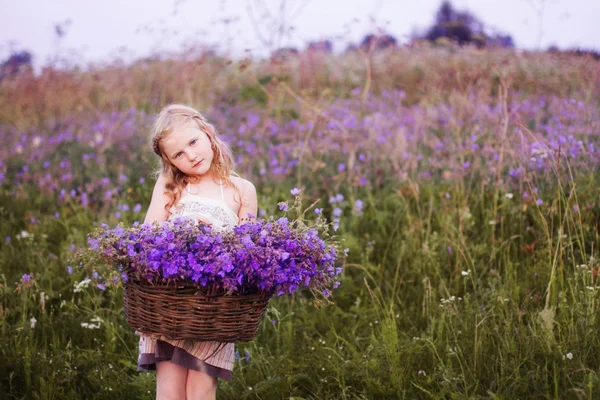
<point>82,285</point>
<point>23,235</point>
<point>33,321</point>
<point>465,273</point>
<point>492,222</point>
<point>37,141</point>
<point>570,356</point>
<point>508,195</point>
<point>90,326</point>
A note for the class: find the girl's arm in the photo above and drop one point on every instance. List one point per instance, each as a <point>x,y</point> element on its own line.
<point>250,203</point>
<point>156,209</point>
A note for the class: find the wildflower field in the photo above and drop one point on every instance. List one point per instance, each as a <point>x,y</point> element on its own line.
<point>462,181</point>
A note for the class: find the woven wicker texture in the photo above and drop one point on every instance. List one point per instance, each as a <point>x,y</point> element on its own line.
<point>185,312</point>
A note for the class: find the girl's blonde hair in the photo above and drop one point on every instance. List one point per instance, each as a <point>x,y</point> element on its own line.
<point>175,116</point>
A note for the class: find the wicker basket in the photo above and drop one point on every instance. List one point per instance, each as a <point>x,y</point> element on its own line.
<point>186,312</point>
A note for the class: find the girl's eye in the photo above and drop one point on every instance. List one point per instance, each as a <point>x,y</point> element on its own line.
<point>193,141</point>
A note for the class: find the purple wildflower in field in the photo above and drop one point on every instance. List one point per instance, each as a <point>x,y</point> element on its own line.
<point>7,239</point>
<point>358,206</point>
<point>295,191</point>
<point>70,270</point>
<point>283,206</point>
<point>539,202</point>
<point>273,255</point>
<point>318,211</point>
<point>137,208</point>
<point>142,180</point>
<point>26,278</point>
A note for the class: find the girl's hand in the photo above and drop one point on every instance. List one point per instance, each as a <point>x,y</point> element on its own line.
<point>204,221</point>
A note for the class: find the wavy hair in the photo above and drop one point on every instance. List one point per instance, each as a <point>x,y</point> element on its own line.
<point>172,117</point>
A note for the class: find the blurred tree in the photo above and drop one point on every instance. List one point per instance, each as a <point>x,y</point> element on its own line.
<point>464,28</point>
<point>15,64</point>
<point>321,45</point>
<point>380,41</point>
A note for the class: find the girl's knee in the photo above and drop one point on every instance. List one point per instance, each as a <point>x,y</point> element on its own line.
<point>200,386</point>
<point>170,381</point>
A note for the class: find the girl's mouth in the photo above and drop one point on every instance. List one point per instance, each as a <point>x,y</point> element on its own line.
<point>198,163</point>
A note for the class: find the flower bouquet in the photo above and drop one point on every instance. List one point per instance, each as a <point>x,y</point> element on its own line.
<point>186,280</point>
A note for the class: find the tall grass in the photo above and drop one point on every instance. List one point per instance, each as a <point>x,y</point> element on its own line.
<point>466,187</point>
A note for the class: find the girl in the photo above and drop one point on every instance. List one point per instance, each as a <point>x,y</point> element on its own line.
<point>195,180</point>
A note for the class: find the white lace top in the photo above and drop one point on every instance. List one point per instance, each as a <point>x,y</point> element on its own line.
<point>215,211</point>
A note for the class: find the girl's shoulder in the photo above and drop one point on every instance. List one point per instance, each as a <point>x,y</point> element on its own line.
<point>244,185</point>
<point>245,188</point>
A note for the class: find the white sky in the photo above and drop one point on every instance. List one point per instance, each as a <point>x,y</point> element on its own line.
<point>103,30</point>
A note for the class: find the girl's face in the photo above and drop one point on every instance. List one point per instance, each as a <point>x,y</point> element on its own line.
<point>186,144</point>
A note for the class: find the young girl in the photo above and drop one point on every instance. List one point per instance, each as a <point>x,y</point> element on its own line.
<point>195,180</point>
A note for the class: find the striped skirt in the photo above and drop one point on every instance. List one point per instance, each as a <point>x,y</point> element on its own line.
<point>213,358</point>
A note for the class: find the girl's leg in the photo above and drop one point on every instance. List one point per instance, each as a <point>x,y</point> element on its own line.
<point>170,381</point>
<point>200,386</point>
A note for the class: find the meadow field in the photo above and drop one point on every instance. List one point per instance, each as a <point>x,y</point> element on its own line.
<point>463,182</point>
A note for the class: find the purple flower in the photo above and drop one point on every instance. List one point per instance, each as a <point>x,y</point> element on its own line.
<point>137,208</point>
<point>26,277</point>
<point>295,191</point>
<point>283,206</point>
<point>69,269</point>
<point>272,255</point>
<point>358,205</point>
<point>539,202</point>
<point>318,211</point>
